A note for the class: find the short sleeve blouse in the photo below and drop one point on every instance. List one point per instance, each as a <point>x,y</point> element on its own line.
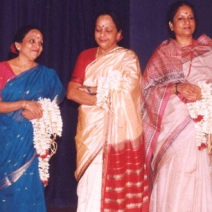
<point>85,58</point>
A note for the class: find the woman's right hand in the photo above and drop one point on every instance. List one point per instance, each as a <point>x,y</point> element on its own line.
<point>80,93</point>
<point>190,91</point>
<point>32,110</point>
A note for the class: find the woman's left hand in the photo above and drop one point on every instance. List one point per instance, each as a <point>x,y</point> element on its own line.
<point>32,110</point>
<point>29,115</point>
<point>189,91</point>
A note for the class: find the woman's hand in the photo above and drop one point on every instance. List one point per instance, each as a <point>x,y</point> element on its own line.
<point>80,93</point>
<point>189,91</point>
<point>32,110</point>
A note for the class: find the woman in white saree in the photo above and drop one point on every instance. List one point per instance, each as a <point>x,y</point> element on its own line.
<point>179,167</point>
<point>110,150</point>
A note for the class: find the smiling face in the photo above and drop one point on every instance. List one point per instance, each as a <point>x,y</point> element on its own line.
<point>183,23</point>
<point>106,34</point>
<point>31,46</point>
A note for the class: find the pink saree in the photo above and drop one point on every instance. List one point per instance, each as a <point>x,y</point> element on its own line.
<point>112,140</point>
<point>180,173</point>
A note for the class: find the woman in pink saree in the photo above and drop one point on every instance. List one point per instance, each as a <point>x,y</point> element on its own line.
<point>110,150</point>
<point>181,176</point>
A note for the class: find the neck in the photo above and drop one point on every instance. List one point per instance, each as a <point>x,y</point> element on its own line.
<point>21,62</point>
<point>101,51</point>
<point>185,41</point>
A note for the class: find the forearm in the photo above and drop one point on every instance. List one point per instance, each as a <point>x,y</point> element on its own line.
<point>83,98</point>
<point>7,107</point>
<point>78,95</point>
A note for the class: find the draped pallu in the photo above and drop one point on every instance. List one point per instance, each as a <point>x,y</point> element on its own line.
<point>117,132</point>
<point>20,185</point>
<point>179,173</point>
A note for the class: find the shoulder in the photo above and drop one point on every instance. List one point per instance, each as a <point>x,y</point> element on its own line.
<point>167,48</point>
<point>166,45</point>
<point>204,40</point>
<point>4,63</point>
<point>128,52</point>
<point>5,67</point>
<point>47,70</point>
<point>88,52</point>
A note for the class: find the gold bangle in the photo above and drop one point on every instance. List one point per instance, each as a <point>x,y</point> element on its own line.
<point>24,105</point>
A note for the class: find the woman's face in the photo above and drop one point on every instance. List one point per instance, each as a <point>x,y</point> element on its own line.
<point>32,45</point>
<point>106,34</point>
<point>183,22</point>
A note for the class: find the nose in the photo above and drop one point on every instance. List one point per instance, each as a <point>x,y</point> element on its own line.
<point>102,34</point>
<point>187,20</point>
<point>38,45</point>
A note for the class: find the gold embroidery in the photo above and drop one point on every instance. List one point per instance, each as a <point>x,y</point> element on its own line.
<point>120,189</point>
<point>127,172</point>
<point>128,206</point>
<point>128,196</point>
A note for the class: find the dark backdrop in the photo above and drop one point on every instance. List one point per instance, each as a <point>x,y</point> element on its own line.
<point>68,29</point>
<point>148,24</point>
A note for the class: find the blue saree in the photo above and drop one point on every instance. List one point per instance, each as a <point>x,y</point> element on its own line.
<point>21,189</point>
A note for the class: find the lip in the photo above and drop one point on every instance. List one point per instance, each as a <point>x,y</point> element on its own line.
<point>103,41</point>
<point>36,51</point>
<point>187,28</point>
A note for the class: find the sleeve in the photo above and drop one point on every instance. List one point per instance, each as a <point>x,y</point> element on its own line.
<point>5,74</point>
<point>85,58</point>
<point>79,70</point>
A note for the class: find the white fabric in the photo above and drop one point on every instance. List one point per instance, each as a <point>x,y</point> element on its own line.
<point>89,187</point>
<point>183,181</point>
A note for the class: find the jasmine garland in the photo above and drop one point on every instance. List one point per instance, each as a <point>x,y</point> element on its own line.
<point>45,131</point>
<point>201,112</point>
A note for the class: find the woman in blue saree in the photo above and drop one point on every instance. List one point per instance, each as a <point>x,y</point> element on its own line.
<point>22,83</point>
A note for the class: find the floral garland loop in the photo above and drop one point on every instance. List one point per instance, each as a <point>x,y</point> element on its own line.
<point>45,130</point>
<point>105,85</point>
<point>201,113</point>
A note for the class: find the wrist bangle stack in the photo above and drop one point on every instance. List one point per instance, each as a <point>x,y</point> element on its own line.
<point>89,91</point>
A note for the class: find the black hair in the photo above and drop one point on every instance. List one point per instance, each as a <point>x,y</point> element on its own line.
<point>19,36</point>
<point>21,33</point>
<point>172,12</point>
<point>115,17</point>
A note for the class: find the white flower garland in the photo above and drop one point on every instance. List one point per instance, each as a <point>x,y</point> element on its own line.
<point>201,112</point>
<point>105,85</point>
<point>45,130</point>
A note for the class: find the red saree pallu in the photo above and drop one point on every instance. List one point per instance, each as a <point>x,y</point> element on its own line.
<point>125,181</point>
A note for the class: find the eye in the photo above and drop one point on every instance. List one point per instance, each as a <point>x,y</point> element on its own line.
<point>31,40</point>
<point>180,19</point>
<point>41,43</point>
<point>109,31</point>
<point>191,18</point>
<point>98,30</point>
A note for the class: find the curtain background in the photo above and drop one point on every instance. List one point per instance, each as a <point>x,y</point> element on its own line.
<point>148,26</point>
<point>68,27</point>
